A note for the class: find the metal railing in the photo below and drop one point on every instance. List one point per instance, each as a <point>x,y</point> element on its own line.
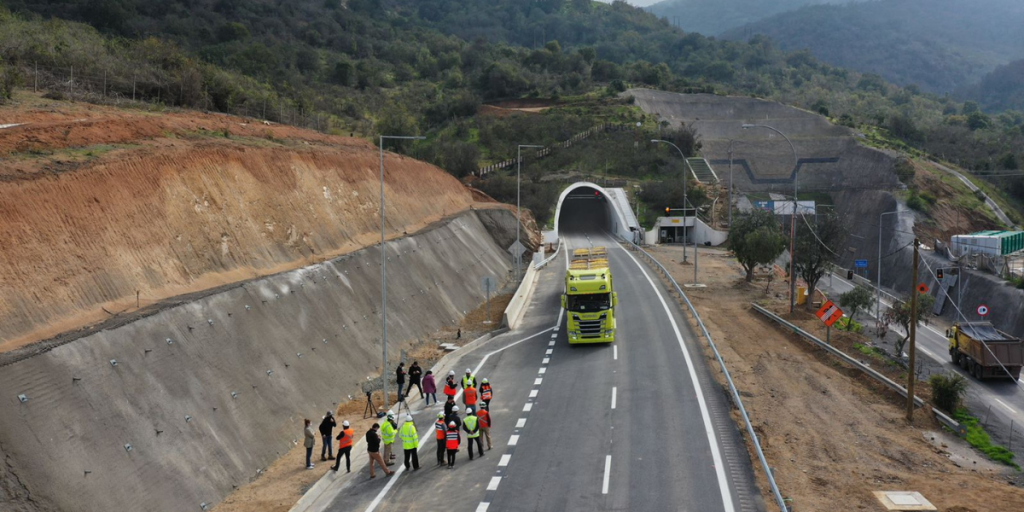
<point>939,415</point>
<point>543,263</point>
<point>732,387</point>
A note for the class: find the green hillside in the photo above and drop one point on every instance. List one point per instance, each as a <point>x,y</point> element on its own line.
<point>939,45</point>
<point>712,17</point>
<point>1002,89</point>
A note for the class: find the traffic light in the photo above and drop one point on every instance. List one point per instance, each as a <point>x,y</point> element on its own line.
<point>938,273</point>
<point>667,210</point>
<point>849,275</point>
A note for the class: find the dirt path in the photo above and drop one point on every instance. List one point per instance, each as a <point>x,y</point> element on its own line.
<point>832,435</point>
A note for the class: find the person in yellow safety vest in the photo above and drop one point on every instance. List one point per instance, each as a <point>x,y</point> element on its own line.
<point>387,434</point>
<point>468,380</point>
<point>472,427</point>
<point>439,429</point>
<point>410,442</point>
<point>486,393</point>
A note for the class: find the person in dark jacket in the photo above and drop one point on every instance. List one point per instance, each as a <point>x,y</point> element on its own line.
<point>430,387</point>
<point>448,404</point>
<point>400,377</point>
<point>453,417</point>
<point>326,429</point>
<point>415,372</point>
<point>373,450</point>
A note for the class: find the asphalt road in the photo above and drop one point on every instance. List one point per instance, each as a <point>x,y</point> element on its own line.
<point>634,425</point>
<point>999,401</point>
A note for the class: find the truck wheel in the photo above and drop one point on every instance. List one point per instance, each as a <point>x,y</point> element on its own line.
<point>977,371</point>
<point>963,363</point>
<point>955,356</point>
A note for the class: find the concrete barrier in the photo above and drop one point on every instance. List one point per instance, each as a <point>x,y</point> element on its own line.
<point>517,307</point>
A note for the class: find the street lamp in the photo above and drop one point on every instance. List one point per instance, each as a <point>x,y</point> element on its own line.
<point>519,220</point>
<point>383,274</point>
<point>681,155</point>
<point>878,273</point>
<point>792,227</point>
<point>731,142</point>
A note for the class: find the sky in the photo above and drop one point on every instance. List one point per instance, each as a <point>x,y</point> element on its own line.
<point>638,3</point>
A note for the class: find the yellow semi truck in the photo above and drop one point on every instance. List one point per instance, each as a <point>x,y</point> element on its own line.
<point>985,351</point>
<point>589,300</point>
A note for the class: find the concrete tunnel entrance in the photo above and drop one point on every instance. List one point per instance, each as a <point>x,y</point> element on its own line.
<point>588,208</point>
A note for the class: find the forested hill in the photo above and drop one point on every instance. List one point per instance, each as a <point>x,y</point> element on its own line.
<point>939,45</point>
<point>1002,89</point>
<point>712,17</point>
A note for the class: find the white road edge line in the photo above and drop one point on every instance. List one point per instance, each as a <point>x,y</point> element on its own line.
<point>423,440</point>
<point>1004,404</point>
<point>614,393</point>
<point>607,473</point>
<point>716,456</point>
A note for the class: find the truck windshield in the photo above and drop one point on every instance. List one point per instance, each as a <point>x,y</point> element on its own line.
<point>589,302</point>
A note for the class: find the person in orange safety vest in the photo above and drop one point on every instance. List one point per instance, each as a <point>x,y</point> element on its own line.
<point>452,441</point>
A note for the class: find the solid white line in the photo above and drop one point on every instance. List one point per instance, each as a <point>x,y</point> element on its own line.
<point>512,440</point>
<point>423,440</point>
<point>493,486</point>
<point>542,370</point>
<point>533,393</point>
<point>1004,404</point>
<point>482,507</point>
<point>526,408</point>
<point>614,393</point>
<point>538,382</point>
<point>607,473</point>
<point>546,360</point>
<point>716,456</point>
<point>521,423</point>
<point>504,460</point>
<point>615,352</point>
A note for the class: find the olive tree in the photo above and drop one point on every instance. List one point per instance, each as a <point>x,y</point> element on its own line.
<point>756,239</point>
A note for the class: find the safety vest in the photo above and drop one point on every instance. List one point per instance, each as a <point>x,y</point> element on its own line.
<point>468,381</point>
<point>387,432</point>
<point>469,396</point>
<point>485,418</point>
<point>439,427</point>
<point>346,438</point>
<point>452,440</point>
<point>471,426</point>
<point>408,435</point>
<point>450,389</point>
<point>485,392</point>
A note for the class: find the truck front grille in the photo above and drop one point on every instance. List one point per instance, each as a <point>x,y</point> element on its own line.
<point>590,328</point>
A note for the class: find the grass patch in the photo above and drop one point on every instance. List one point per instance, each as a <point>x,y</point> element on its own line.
<point>848,324</point>
<point>868,351</point>
<point>979,439</point>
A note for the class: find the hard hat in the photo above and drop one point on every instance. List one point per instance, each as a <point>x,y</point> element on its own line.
<point>440,415</point>
<point>451,372</point>
<point>344,423</point>
<point>455,408</point>
<point>329,414</point>
<point>408,417</point>
<point>484,381</point>
<point>391,414</point>
<point>468,370</point>
<point>451,424</point>
<point>469,410</point>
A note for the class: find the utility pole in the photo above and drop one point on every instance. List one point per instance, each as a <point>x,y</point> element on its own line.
<point>913,337</point>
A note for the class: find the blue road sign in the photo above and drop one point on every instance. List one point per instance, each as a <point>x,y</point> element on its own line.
<point>860,263</point>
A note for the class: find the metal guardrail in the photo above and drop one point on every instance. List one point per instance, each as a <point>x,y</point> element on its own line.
<point>939,415</point>
<point>732,387</point>
<point>543,263</point>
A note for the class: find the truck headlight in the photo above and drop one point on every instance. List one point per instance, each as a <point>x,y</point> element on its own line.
<point>609,333</point>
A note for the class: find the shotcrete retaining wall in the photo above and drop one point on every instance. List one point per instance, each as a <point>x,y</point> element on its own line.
<point>205,394</point>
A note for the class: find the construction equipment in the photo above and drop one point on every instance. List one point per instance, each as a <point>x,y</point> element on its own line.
<point>589,300</point>
<point>985,351</point>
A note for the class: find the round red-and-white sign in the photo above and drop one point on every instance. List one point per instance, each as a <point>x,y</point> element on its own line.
<point>983,310</point>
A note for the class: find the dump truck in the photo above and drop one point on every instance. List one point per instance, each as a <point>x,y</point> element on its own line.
<point>589,300</point>
<point>985,351</point>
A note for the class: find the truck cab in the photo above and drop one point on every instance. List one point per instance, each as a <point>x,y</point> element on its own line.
<point>589,300</point>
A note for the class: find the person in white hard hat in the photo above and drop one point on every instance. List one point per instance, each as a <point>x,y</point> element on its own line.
<point>454,416</point>
<point>450,388</point>
<point>388,431</point>
<point>410,442</point>
<point>345,439</point>
<point>468,380</point>
<point>452,440</point>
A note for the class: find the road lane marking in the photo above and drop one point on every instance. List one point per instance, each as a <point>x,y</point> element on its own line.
<point>527,407</point>
<point>716,455</point>
<point>548,353</point>
<point>546,360</point>
<point>521,423</point>
<point>533,393</point>
<point>504,460</point>
<point>493,485</point>
<point>430,434</point>
<point>1004,404</point>
<point>513,440</point>
<point>482,507</point>
<point>543,370</point>
<point>538,381</point>
<point>607,473</point>
<point>552,343</point>
<point>615,352</point>
<point>554,335</point>
<point>614,393</point>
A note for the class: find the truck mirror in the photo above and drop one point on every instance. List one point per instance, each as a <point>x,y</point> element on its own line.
<point>615,299</point>
<point>563,301</point>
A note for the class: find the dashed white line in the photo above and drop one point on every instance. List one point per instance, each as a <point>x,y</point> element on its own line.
<point>538,381</point>
<point>551,344</point>
<point>513,440</point>
<point>542,370</point>
<point>554,335</point>
<point>614,393</point>
<point>482,507</point>
<point>533,393</point>
<point>546,360</point>
<point>607,473</point>
<point>548,353</point>
<point>504,460</point>
<point>615,352</point>
<point>493,485</point>
<point>527,407</point>
<point>521,423</point>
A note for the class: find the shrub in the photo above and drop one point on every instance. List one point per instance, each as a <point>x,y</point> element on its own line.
<point>948,390</point>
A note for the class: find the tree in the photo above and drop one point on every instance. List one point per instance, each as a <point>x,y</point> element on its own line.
<point>756,239</point>
<point>900,314</point>
<point>855,300</point>
<point>814,248</point>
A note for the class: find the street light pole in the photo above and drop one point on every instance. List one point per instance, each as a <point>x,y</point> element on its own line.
<point>519,219</point>
<point>383,273</point>
<point>681,155</point>
<point>792,226</point>
<point>731,142</point>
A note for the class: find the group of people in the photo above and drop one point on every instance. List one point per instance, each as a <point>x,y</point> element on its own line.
<point>449,427</point>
